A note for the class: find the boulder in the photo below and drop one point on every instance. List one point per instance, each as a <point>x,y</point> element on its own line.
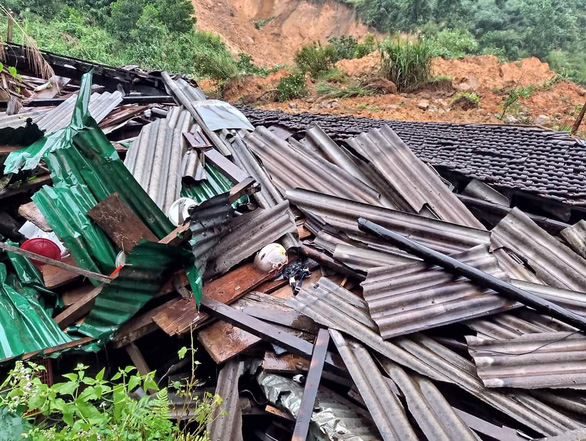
<point>382,85</point>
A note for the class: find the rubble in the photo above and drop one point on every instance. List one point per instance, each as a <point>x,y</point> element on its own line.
<point>435,284</point>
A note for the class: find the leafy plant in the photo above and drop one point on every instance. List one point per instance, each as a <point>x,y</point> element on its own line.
<point>291,87</point>
<point>453,43</point>
<point>406,63</point>
<point>93,408</point>
<point>260,23</point>
<point>466,100</point>
<point>246,66</point>
<point>316,59</point>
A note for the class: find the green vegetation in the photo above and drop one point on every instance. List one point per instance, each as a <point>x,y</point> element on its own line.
<point>93,408</point>
<point>316,59</point>
<point>352,90</point>
<point>466,100</point>
<point>406,63</point>
<point>549,29</point>
<point>260,23</point>
<point>246,66</point>
<point>347,47</point>
<point>155,34</point>
<point>292,87</point>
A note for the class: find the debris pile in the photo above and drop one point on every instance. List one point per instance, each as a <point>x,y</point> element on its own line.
<point>334,287</point>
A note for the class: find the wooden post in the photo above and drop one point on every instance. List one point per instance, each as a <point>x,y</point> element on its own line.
<point>10,25</point>
<point>578,120</point>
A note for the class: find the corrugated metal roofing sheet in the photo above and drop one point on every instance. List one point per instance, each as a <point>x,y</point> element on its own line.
<point>292,167</point>
<point>225,422</point>
<point>364,259</point>
<point>219,115</point>
<point>433,413</point>
<point>155,157</point>
<point>575,236</point>
<point>531,361</point>
<point>26,326</point>
<point>414,297</point>
<point>553,262</point>
<point>249,233</point>
<point>386,410</point>
<point>343,214</point>
<point>414,181</point>
<point>335,307</point>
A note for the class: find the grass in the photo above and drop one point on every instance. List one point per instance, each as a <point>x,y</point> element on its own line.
<point>466,100</point>
<point>353,90</point>
<point>406,63</point>
<point>260,23</point>
<point>316,59</point>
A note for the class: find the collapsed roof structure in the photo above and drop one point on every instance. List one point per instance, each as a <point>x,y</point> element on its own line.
<point>415,304</point>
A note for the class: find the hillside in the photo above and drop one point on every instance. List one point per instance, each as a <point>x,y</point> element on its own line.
<point>285,25</point>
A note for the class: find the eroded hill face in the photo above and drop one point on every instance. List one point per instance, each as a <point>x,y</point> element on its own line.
<point>289,24</point>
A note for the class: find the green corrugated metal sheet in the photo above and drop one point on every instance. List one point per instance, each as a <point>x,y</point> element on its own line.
<point>215,184</point>
<point>137,282</point>
<point>26,325</point>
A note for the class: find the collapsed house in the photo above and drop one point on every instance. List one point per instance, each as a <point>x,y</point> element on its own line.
<point>410,304</point>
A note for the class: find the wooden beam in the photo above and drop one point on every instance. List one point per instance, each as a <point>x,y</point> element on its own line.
<point>233,172</point>
<point>120,223</point>
<point>265,331</point>
<point>183,315</point>
<point>137,359</point>
<point>56,277</point>
<point>79,309</point>
<point>316,367</point>
<point>57,263</point>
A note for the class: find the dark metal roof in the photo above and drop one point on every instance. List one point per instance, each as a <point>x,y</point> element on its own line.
<point>541,162</point>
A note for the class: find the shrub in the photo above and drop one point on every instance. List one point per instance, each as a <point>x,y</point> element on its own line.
<point>92,408</point>
<point>292,87</point>
<point>315,59</point>
<point>350,91</point>
<point>211,58</point>
<point>260,23</point>
<point>345,47</point>
<point>466,100</point>
<point>368,46</point>
<point>406,63</point>
<point>454,43</point>
<point>572,66</point>
<point>246,66</point>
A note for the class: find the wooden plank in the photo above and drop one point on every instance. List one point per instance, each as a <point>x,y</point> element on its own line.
<point>79,309</point>
<point>120,223</point>
<point>30,185</point>
<point>137,359</point>
<point>182,315</point>
<point>278,412</point>
<point>56,277</point>
<point>138,326</point>
<point>31,213</point>
<point>224,341</point>
<point>74,294</point>
<point>57,263</point>
<point>266,331</point>
<point>229,169</point>
<point>305,412</point>
<point>64,346</point>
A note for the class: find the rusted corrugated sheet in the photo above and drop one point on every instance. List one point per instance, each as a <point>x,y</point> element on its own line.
<point>225,422</point>
<point>249,233</point>
<point>293,167</point>
<point>343,214</point>
<point>335,307</point>
<point>516,323</point>
<point>553,262</point>
<point>155,157</point>
<point>531,361</point>
<point>415,297</point>
<point>364,259</point>
<point>433,413</point>
<point>413,180</point>
<point>269,195</point>
<point>386,410</point>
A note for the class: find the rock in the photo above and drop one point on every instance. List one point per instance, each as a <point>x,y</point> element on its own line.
<point>423,104</point>
<point>335,105</point>
<point>382,85</point>
<point>542,120</point>
<point>392,107</point>
<point>468,83</point>
<point>292,106</point>
<point>432,109</point>
<point>510,119</point>
<point>582,92</point>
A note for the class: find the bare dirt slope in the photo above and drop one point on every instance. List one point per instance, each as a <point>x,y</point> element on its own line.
<point>293,24</point>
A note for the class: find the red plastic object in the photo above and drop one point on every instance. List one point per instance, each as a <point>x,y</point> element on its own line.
<point>42,246</point>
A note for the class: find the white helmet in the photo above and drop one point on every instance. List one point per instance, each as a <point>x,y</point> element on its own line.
<point>270,258</point>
